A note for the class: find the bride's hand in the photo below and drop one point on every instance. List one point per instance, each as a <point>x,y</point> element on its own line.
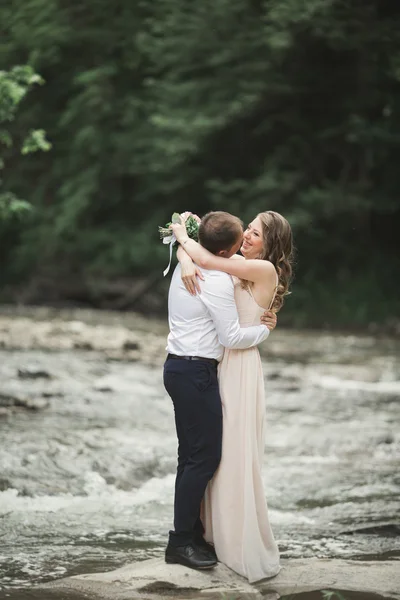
<point>179,230</point>
<point>269,319</point>
<point>190,275</point>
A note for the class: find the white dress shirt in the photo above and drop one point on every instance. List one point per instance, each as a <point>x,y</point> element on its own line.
<point>204,324</point>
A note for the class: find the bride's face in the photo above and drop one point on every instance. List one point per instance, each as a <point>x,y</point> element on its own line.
<point>253,243</point>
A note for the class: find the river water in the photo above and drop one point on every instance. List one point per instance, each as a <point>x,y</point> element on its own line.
<point>86,482</point>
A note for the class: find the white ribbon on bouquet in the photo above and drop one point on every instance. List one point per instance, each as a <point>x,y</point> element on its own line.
<point>171,239</point>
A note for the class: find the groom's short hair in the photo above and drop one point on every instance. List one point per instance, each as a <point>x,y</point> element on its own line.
<point>219,230</point>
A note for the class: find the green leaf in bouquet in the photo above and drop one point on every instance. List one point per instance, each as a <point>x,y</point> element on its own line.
<point>176,218</point>
<point>192,228</point>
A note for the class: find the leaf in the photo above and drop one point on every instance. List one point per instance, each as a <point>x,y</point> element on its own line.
<point>12,207</point>
<point>35,141</point>
<point>5,138</point>
<point>176,218</point>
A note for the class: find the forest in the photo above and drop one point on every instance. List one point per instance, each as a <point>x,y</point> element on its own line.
<point>114,115</point>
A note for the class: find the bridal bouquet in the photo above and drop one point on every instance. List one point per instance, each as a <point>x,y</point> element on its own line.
<point>192,223</point>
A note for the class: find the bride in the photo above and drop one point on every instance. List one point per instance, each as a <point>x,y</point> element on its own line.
<point>235,513</point>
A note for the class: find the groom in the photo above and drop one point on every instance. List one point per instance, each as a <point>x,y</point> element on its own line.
<point>200,327</point>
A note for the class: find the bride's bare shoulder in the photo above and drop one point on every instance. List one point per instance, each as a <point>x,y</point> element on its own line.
<point>237,257</point>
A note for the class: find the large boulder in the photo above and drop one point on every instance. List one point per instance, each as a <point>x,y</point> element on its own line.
<point>154,579</point>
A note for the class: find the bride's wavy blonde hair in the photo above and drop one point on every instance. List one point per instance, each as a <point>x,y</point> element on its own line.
<point>279,250</point>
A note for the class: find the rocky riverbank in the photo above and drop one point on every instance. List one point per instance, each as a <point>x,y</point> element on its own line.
<point>132,337</point>
<point>119,337</point>
<point>153,580</point>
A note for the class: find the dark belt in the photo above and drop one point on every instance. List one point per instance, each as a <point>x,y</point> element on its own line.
<point>213,361</point>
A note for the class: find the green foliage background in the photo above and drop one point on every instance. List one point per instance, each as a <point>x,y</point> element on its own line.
<point>14,85</point>
<point>239,105</point>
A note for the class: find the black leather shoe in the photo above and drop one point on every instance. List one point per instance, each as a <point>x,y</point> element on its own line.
<point>206,548</point>
<point>189,556</point>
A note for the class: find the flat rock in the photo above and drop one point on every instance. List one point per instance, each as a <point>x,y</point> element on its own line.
<point>305,575</point>
<point>154,579</point>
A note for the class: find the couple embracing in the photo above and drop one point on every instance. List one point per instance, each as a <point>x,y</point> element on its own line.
<point>213,374</point>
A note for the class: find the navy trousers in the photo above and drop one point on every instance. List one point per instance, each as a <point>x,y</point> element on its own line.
<point>193,387</point>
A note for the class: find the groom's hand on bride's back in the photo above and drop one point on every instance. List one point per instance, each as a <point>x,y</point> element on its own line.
<point>269,319</point>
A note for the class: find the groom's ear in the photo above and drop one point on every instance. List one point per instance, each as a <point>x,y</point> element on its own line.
<point>223,253</point>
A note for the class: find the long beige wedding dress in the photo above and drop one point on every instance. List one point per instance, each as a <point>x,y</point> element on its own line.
<point>234,512</point>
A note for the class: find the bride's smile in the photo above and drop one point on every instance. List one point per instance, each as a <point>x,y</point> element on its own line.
<point>253,244</point>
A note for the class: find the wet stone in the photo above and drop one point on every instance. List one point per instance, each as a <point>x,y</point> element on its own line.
<point>81,345</point>
<point>131,345</point>
<point>33,372</point>
<point>275,375</point>
<point>102,387</point>
<point>4,484</point>
<point>7,400</point>
<point>10,401</point>
<point>32,403</point>
<point>384,530</point>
